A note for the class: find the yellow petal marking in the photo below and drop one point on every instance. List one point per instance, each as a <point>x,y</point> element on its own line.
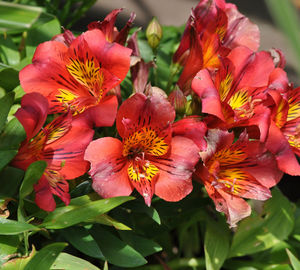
<point>145,140</point>
<point>146,171</point>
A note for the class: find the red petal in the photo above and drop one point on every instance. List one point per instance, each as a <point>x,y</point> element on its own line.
<point>113,57</point>
<point>43,195</point>
<point>66,154</point>
<point>139,111</point>
<point>204,87</point>
<point>193,129</point>
<point>108,168</point>
<point>33,113</point>
<point>104,114</point>
<point>174,182</point>
<point>240,30</point>
<point>280,147</point>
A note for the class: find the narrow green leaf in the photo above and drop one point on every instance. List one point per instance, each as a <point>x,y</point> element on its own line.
<point>81,239</point>
<point>294,261</point>
<point>216,243</point>
<point>5,103</point>
<point>109,221</point>
<point>12,135</point>
<point>33,173</point>
<point>70,215</point>
<point>141,244</point>
<point>67,261</point>
<point>45,257</point>
<point>116,251</point>
<point>6,156</point>
<point>11,227</point>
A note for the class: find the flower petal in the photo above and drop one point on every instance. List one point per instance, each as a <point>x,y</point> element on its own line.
<point>108,168</point>
<point>174,182</point>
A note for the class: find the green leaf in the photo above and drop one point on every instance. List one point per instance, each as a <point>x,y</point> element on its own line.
<point>109,221</point>
<point>10,227</point>
<point>9,78</point>
<point>6,156</point>
<point>17,18</point>
<point>45,257</point>
<point>116,251</point>
<point>9,51</point>
<point>5,103</point>
<point>279,214</point>
<point>294,261</point>
<point>141,244</point>
<point>251,237</point>
<point>8,246</point>
<point>33,173</point>
<point>149,211</point>
<point>67,216</point>
<point>216,243</point>
<point>67,261</point>
<point>81,239</point>
<point>41,34</point>
<point>12,135</point>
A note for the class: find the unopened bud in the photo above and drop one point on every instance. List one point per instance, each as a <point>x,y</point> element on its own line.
<point>154,33</point>
<point>178,100</point>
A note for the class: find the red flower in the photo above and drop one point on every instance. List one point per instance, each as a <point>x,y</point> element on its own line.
<point>231,172</point>
<point>78,77</point>
<point>235,93</point>
<point>284,135</point>
<point>148,158</point>
<point>213,29</point>
<point>60,143</point>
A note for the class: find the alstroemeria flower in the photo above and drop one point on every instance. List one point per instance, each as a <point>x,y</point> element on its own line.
<point>235,93</point>
<point>78,77</point>
<point>60,143</point>
<point>213,29</point>
<point>232,171</point>
<point>148,158</point>
<point>284,135</point>
<point>223,19</point>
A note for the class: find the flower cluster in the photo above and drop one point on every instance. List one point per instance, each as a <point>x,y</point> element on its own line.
<point>239,127</point>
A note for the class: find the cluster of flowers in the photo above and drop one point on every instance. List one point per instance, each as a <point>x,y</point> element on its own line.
<point>242,135</point>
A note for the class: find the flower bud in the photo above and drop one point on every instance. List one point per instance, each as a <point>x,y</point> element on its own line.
<point>154,33</point>
<point>178,100</point>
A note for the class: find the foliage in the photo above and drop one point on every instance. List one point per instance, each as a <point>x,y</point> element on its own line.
<point>119,232</point>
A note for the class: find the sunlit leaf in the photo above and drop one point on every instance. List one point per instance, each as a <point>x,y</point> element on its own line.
<point>67,261</point>
<point>294,261</point>
<point>67,216</point>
